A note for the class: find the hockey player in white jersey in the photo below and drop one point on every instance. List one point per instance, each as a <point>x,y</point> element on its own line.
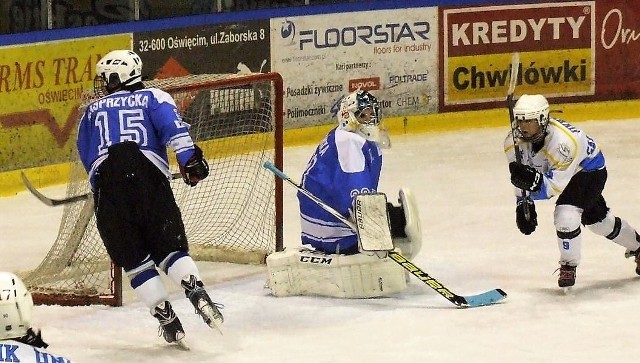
<point>559,159</point>
<point>122,141</point>
<point>347,162</point>
<point>19,342</point>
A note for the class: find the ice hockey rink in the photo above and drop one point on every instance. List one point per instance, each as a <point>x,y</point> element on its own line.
<point>471,245</point>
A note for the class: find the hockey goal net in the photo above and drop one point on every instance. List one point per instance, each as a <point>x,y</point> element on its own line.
<point>235,215</point>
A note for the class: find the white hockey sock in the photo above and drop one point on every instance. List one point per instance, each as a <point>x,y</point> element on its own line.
<point>178,265</point>
<point>566,218</point>
<point>617,230</point>
<point>152,292</point>
<point>147,284</point>
<point>570,250</point>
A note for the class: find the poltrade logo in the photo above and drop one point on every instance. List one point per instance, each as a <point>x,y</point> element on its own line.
<point>365,84</point>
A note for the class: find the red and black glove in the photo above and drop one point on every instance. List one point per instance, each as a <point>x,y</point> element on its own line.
<point>195,169</point>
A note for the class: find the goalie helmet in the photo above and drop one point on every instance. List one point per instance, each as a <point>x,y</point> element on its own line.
<point>531,108</point>
<point>360,113</point>
<point>16,306</point>
<point>117,70</point>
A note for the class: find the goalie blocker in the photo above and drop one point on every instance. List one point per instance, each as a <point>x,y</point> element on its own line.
<point>303,271</point>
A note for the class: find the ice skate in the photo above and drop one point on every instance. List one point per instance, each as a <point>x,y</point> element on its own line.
<point>636,255</point>
<point>170,327</point>
<point>567,277</point>
<point>207,309</point>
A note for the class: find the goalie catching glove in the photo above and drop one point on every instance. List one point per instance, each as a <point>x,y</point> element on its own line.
<point>525,177</point>
<point>526,226</point>
<point>195,169</point>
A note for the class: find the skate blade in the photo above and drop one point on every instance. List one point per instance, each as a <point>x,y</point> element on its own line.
<point>567,289</point>
<point>181,344</point>
<point>208,314</point>
<point>216,325</point>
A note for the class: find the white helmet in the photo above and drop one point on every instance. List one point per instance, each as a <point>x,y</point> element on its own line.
<point>16,306</point>
<point>360,113</point>
<point>532,107</point>
<point>117,69</point>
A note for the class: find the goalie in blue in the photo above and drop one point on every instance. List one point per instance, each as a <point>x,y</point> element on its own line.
<point>346,163</point>
<point>122,141</point>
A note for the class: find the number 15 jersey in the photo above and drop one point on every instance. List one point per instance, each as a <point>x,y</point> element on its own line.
<point>149,117</point>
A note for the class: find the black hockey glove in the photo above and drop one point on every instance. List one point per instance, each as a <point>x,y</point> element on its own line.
<point>526,226</point>
<point>33,339</point>
<point>525,177</point>
<point>195,169</point>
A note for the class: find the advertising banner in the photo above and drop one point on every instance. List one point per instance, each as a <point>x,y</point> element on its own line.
<point>41,86</point>
<point>556,42</point>
<point>392,53</point>
<point>618,49</point>
<point>220,48</point>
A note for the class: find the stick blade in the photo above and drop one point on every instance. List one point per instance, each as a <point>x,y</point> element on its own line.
<point>486,298</point>
<point>35,191</point>
<point>46,200</point>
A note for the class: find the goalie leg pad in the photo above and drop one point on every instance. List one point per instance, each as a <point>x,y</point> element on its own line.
<point>301,271</point>
<point>412,243</point>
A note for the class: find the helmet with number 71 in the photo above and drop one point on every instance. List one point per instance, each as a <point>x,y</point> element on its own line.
<point>531,108</point>
<point>360,113</point>
<point>117,70</point>
<point>16,306</point>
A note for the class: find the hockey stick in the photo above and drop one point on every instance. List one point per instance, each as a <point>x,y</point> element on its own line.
<point>486,298</point>
<point>515,65</point>
<point>53,202</point>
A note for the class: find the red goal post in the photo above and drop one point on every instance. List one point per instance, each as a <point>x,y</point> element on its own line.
<point>235,215</point>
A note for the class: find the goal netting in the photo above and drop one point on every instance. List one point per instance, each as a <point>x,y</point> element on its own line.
<point>235,215</point>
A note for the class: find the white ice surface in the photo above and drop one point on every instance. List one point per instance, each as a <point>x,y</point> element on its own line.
<point>470,244</point>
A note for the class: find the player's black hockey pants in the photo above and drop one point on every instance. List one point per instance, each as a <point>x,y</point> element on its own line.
<point>585,191</point>
<point>135,209</point>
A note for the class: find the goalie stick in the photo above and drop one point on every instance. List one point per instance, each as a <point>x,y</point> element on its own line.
<point>486,298</point>
<point>515,65</point>
<point>53,202</point>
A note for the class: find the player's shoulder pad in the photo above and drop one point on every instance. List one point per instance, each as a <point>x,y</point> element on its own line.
<point>161,96</point>
<point>348,139</point>
<point>349,148</point>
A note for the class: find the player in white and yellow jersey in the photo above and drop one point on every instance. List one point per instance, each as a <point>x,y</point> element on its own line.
<point>559,159</point>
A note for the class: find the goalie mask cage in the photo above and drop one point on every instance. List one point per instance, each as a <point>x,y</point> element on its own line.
<point>234,215</point>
